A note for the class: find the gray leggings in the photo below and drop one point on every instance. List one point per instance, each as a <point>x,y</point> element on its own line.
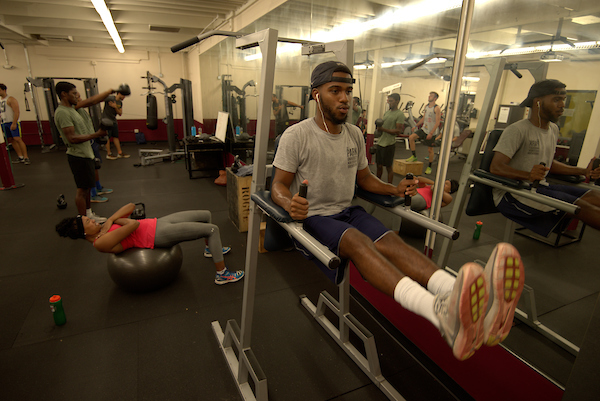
<point>188,226</point>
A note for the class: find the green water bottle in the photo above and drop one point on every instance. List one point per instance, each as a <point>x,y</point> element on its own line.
<point>477,232</point>
<point>57,309</point>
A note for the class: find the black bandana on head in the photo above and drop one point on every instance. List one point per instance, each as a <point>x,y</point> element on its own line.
<point>80,229</point>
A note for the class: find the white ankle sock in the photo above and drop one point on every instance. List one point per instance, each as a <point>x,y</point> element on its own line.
<point>222,271</point>
<point>416,299</point>
<point>441,282</point>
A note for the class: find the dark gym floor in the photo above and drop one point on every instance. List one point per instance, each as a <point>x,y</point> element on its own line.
<point>160,345</point>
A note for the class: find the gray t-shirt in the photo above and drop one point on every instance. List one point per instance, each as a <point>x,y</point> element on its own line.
<point>109,111</point>
<point>527,145</point>
<point>69,117</point>
<point>329,162</point>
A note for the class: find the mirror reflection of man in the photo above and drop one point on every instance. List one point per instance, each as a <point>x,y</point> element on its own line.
<point>356,111</point>
<point>525,151</point>
<point>282,119</point>
<point>430,130</point>
<point>393,125</point>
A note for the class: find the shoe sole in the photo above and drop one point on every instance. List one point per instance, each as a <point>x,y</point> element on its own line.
<point>472,306</point>
<point>505,277</point>
<point>98,201</point>
<point>233,280</point>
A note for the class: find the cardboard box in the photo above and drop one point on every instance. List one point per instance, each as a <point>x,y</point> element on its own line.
<point>403,167</point>
<point>238,198</point>
<point>261,240</point>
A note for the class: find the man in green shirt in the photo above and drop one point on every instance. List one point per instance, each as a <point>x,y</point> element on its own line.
<point>393,125</point>
<point>356,111</point>
<point>76,134</point>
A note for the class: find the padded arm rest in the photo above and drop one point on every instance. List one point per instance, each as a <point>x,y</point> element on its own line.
<point>381,200</point>
<point>572,179</point>
<point>509,182</point>
<point>277,213</point>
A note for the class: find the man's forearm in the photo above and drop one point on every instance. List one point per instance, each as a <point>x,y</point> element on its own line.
<point>281,195</point>
<point>92,100</point>
<point>564,169</point>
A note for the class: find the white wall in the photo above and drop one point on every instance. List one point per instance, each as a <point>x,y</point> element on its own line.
<point>111,69</point>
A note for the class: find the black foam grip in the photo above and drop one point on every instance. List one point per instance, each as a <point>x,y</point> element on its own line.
<point>408,199</point>
<point>303,191</point>
<point>185,44</point>
<point>151,112</point>
<point>536,183</point>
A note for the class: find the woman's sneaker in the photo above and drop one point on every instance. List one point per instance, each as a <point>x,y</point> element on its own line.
<point>207,253</point>
<point>461,311</point>
<point>505,278</point>
<point>228,277</point>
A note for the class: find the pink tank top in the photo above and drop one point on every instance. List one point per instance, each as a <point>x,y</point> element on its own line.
<point>427,194</point>
<point>142,237</point>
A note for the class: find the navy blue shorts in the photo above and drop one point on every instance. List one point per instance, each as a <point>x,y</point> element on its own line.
<point>538,221</point>
<point>329,230</point>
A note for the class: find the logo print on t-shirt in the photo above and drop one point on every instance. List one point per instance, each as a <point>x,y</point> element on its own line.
<point>352,154</point>
<point>534,147</point>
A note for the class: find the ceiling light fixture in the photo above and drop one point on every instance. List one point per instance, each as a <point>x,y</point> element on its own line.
<point>551,56</point>
<point>104,13</point>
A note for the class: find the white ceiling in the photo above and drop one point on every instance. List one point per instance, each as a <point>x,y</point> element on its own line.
<point>76,22</point>
<point>496,23</point>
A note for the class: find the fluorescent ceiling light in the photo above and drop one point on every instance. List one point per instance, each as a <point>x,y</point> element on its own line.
<point>586,20</point>
<point>472,79</point>
<point>101,8</point>
<point>535,49</point>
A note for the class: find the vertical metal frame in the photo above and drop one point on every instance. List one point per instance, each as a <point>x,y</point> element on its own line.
<point>235,342</point>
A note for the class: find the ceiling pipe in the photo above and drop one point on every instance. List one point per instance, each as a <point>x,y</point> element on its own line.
<point>7,65</point>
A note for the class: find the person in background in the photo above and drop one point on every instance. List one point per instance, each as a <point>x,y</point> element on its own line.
<point>429,131</point>
<point>282,118</point>
<point>119,233</point>
<point>113,106</point>
<point>356,111</point>
<point>393,125</point>
<point>98,190</point>
<point>11,125</point>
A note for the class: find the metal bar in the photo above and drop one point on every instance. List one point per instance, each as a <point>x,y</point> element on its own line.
<point>495,68</point>
<point>546,200</point>
<point>462,44</point>
<point>268,47</point>
<point>321,252</point>
<point>424,221</point>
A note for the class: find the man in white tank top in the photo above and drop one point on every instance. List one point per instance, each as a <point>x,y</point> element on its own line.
<point>11,125</point>
<point>430,131</point>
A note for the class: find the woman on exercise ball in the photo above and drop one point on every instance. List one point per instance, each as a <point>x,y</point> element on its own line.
<point>120,232</point>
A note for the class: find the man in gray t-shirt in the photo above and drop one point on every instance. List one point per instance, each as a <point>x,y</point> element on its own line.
<point>328,155</point>
<point>522,149</point>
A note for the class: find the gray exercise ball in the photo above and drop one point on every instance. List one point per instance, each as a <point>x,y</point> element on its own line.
<point>143,270</point>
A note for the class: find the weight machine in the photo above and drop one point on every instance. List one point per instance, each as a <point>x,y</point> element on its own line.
<point>305,93</point>
<point>51,97</point>
<point>152,122</point>
<point>234,101</point>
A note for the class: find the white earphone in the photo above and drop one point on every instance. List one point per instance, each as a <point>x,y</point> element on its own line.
<point>538,103</point>
<point>317,97</point>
